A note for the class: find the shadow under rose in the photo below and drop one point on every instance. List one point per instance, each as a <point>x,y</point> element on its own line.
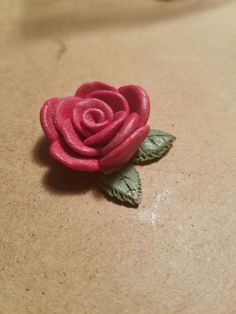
<point>58,178</point>
<point>61,180</point>
<point>41,152</point>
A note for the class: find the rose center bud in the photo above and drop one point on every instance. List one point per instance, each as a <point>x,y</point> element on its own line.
<point>94,115</point>
<point>94,119</point>
<point>91,115</point>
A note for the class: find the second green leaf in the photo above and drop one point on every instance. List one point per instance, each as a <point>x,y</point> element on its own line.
<point>154,147</point>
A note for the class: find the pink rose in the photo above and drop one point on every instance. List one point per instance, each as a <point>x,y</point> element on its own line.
<point>99,129</point>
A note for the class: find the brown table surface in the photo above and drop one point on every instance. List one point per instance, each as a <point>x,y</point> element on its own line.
<point>64,247</point>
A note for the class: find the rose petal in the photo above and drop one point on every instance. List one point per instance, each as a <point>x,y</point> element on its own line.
<point>138,101</point>
<point>104,136</point>
<point>86,89</point>
<point>79,120</point>
<point>46,114</point>
<point>61,153</point>
<point>115,100</point>
<point>74,142</point>
<point>77,123</point>
<point>124,152</point>
<point>64,110</point>
<point>128,128</point>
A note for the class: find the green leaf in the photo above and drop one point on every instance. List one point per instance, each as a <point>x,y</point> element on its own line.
<point>123,186</point>
<point>154,147</point>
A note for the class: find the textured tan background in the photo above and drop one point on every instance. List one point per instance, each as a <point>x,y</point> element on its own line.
<point>63,247</point>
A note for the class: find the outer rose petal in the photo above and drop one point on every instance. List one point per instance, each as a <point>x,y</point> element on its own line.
<point>86,89</point>
<point>61,153</point>
<point>64,110</point>
<point>138,101</point>
<point>128,128</point>
<point>105,135</point>
<point>46,118</point>
<point>115,100</point>
<point>73,140</point>
<point>124,152</point>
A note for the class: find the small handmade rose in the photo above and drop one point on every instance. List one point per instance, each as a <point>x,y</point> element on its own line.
<point>102,128</point>
<point>99,129</point>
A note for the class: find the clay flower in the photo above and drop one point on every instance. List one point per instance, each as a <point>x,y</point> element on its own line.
<point>99,129</point>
